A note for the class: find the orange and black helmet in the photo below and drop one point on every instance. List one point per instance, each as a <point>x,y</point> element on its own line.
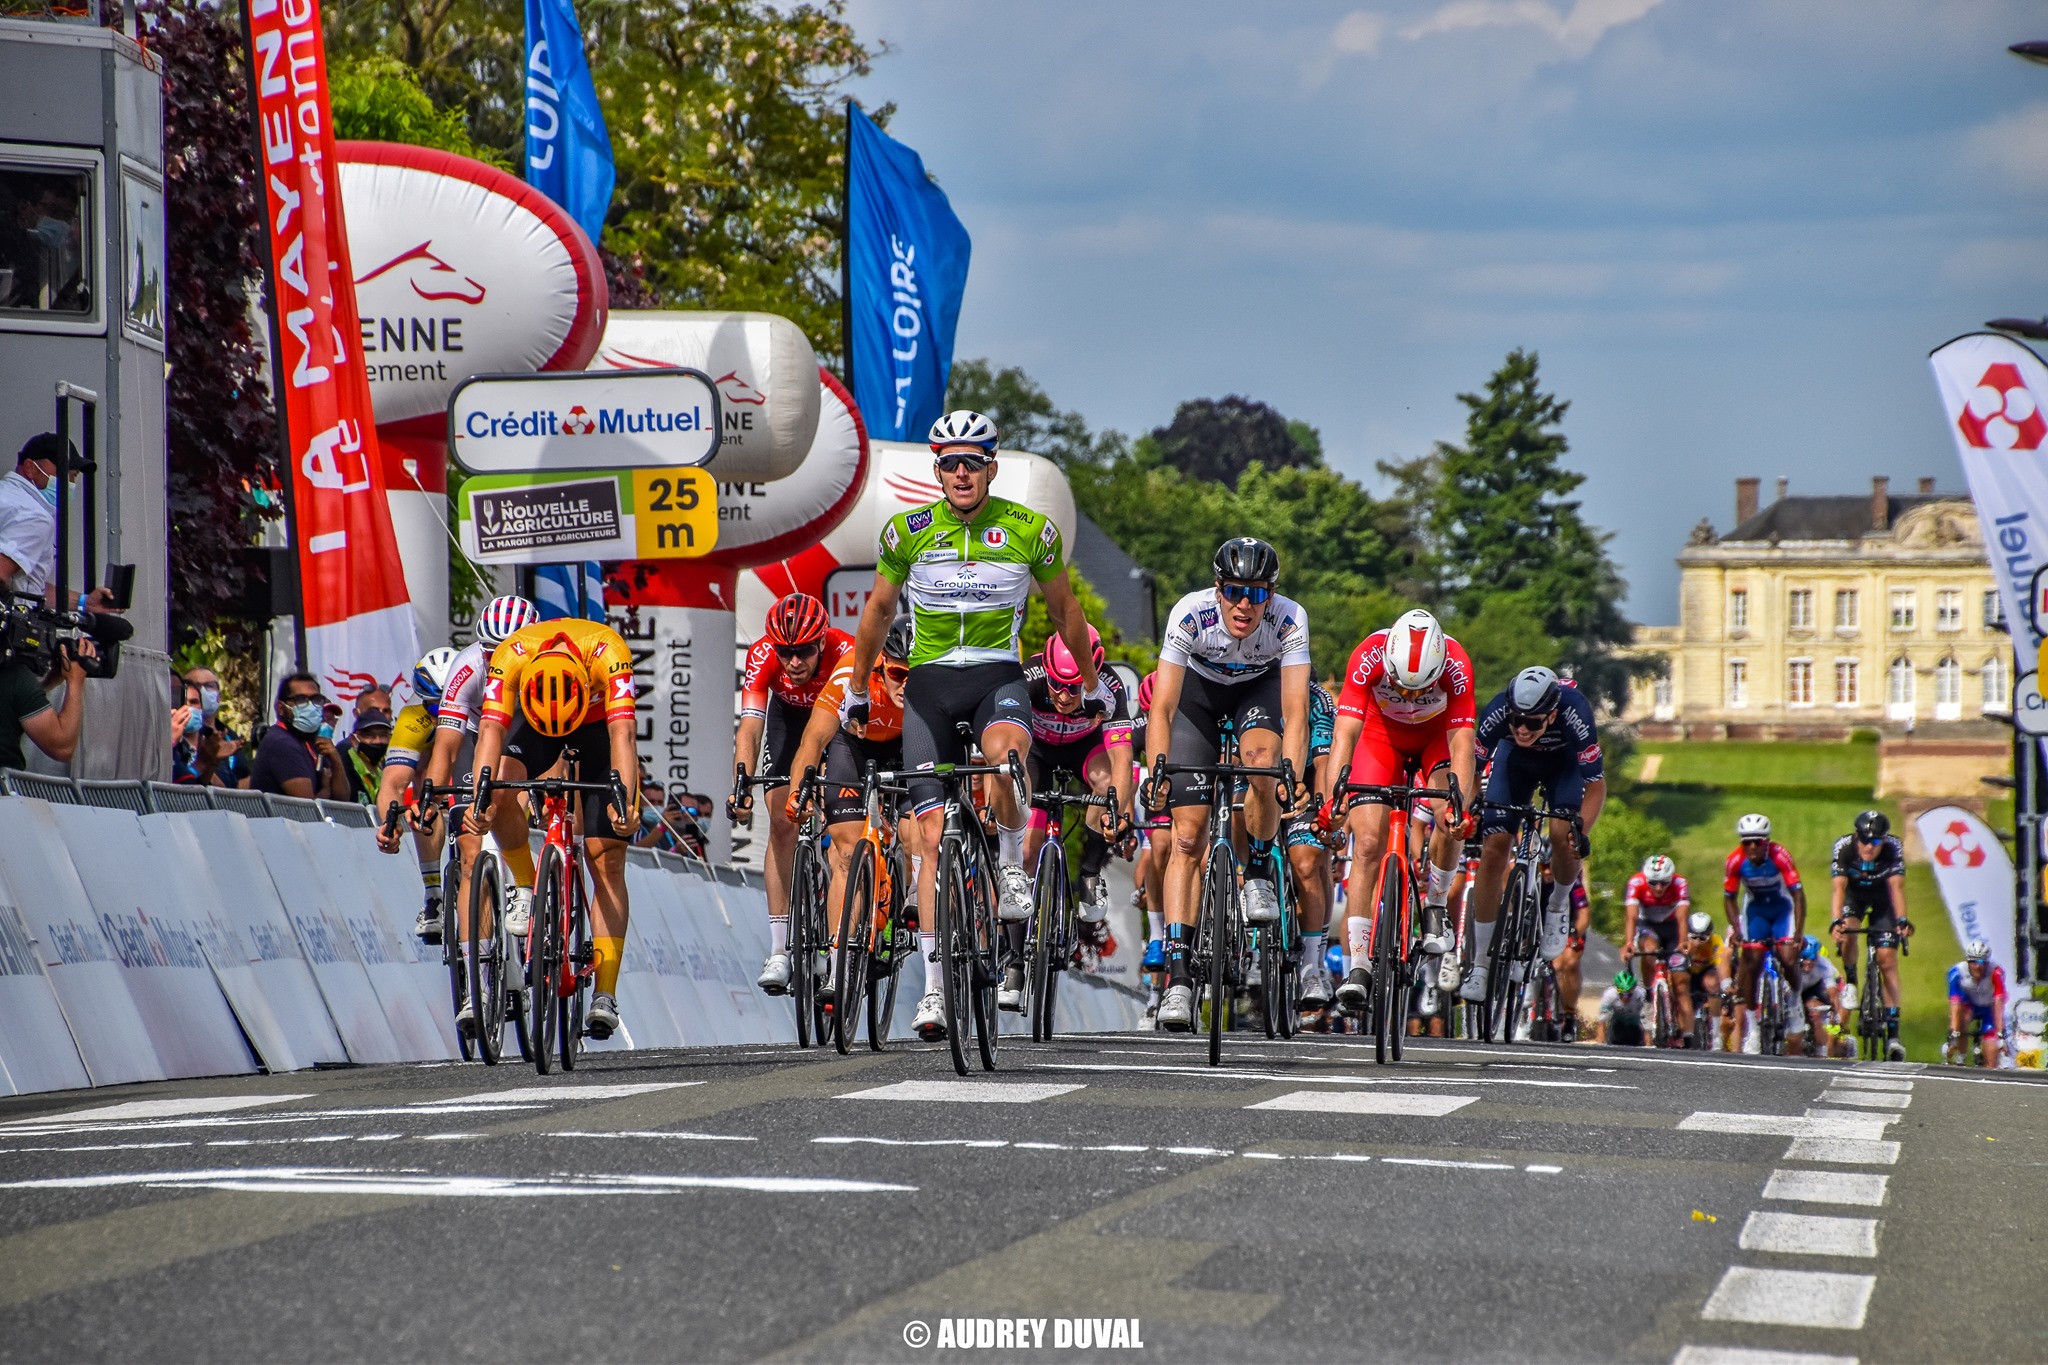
<point>798,619</point>
<point>554,693</point>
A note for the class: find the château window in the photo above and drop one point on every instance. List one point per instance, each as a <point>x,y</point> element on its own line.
<point>1948,610</point>
<point>1799,609</point>
<point>1845,682</point>
<point>1846,609</point>
<point>1738,683</point>
<point>1799,683</point>
<point>1903,602</point>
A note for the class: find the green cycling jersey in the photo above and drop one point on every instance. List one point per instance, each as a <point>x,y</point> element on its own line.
<point>968,580</point>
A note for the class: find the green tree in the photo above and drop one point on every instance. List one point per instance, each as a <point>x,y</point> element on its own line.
<point>1027,416</point>
<point>1624,838</point>
<point>1500,521</point>
<point>1038,626</point>
<point>377,98</point>
<point>1219,438</point>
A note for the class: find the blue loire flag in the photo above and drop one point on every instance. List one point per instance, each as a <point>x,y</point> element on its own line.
<point>568,152</point>
<point>906,267</point>
<point>554,590</point>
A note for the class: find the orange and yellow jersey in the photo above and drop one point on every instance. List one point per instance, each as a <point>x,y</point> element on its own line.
<point>607,667</point>
<point>885,717</point>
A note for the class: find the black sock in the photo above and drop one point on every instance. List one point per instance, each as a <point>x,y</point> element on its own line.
<point>1177,937</point>
<point>1094,853</point>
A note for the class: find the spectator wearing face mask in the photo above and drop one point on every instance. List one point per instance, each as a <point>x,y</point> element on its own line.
<point>188,719</point>
<point>297,756</point>
<point>650,834</point>
<point>362,753</point>
<point>222,758</point>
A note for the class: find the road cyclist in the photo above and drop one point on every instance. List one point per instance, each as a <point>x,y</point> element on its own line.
<point>1308,856</point>
<point>1556,999</point>
<point>1706,964</point>
<point>1655,906</point>
<point>556,688</point>
<point>1148,869</point>
<point>1235,653</point>
<point>1408,703</point>
<point>1773,914</point>
<point>1819,985</point>
<point>787,667</point>
<point>1976,1006</point>
<point>1869,896</point>
<point>1620,1019</point>
<point>967,562</point>
<point>412,734</point>
<point>1541,734</point>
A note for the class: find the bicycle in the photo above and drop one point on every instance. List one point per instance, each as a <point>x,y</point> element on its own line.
<point>457,954</point>
<point>1049,936</point>
<point>809,889</point>
<point>1221,959</point>
<point>1871,1013</point>
<point>1544,1026</point>
<point>874,921</point>
<point>968,968</point>
<point>560,957</point>
<point>1278,948</point>
<point>1512,959</point>
<point>1398,895</point>
<point>1770,1019</point>
<point>1702,1015</point>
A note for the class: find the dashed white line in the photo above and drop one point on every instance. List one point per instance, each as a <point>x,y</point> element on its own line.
<point>963,1092</point>
<point>1367,1102</point>
<point>1844,1151</point>
<point>1824,1124</point>
<point>1867,1099</point>
<point>1791,1298</point>
<point>153,1109</point>
<point>662,1133</point>
<point>1806,1234</point>
<point>1827,1187</point>
<point>1855,1081</point>
<point>1741,1355</point>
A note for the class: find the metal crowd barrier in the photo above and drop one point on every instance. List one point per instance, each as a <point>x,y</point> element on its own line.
<point>160,798</point>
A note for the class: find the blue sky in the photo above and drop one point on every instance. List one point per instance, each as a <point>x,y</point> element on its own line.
<point>1732,230</point>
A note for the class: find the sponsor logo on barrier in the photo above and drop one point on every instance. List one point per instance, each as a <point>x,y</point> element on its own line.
<point>545,517</point>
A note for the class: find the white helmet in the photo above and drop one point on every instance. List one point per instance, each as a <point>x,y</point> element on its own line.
<point>1977,950</point>
<point>1658,870</point>
<point>1699,924</point>
<point>1415,651</point>
<point>964,428</point>
<point>502,617</point>
<point>430,674</point>
<point>1753,827</point>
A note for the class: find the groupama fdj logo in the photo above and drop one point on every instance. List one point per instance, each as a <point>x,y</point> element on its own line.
<point>579,421</point>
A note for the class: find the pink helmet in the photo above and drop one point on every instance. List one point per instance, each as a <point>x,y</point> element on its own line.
<point>1145,690</point>
<point>1059,660</point>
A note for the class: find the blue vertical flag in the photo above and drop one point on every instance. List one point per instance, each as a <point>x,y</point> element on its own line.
<point>568,151</point>
<point>554,590</point>
<point>906,268</point>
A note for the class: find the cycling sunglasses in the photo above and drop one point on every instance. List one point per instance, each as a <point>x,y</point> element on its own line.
<point>896,672</point>
<point>1528,722</point>
<point>796,651</point>
<point>973,463</point>
<point>1254,593</point>
<point>1071,689</point>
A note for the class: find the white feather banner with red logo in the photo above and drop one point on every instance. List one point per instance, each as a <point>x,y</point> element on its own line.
<point>1975,877</point>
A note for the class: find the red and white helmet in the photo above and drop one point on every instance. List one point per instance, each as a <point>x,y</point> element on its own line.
<point>1658,870</point>
<point>502,617</point>
<point>1415,651</point>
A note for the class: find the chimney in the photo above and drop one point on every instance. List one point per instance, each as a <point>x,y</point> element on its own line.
<point>1926,486</point>
<point>1880,503</point>
<point>1745,499</point>
<point>1783,484</point>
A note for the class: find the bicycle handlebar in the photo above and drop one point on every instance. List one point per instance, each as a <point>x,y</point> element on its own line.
<point>1576,820</point>
<point>1162,770</point>
<point>613,789</point>
<point>1395,794</point>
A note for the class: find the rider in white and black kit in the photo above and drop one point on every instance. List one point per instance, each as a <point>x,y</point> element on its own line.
<point>1869,867</point>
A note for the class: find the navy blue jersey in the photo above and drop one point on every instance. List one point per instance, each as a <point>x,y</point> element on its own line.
<point>1849,862</point>
<point>1573,730</point>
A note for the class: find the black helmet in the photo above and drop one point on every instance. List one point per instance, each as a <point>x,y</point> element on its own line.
<point>1872,825</point>
<point>902,635</point>
<point>1533,692</point>
<point>1247,560</point>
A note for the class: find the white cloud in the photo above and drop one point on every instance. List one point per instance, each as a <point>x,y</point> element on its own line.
<point>2014,147</point>
<point>1577,32</point>
<point>1357,34</point>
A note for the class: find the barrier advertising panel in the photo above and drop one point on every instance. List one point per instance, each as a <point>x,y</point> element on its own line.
<point>36,1051</point>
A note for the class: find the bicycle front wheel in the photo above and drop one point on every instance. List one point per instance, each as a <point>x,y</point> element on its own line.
<point>955,964</point>
<point>1501,959</point>
<point>578,956</point>
<point>856,929</point>
<point>484,962</point>
<point>901,943</point>
<point>1388,1006</point>
<point>803,945</point>
<point>544,960</point>
<point>1219,917</point>
<point>987,974</point>
<point>1048,922</point>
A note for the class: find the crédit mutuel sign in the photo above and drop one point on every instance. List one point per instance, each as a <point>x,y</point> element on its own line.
<point>596,465</point>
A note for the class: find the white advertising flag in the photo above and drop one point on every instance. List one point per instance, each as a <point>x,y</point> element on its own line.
<point>1975,877</point>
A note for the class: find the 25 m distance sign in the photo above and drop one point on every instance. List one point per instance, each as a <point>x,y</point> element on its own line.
<point>612,514</point>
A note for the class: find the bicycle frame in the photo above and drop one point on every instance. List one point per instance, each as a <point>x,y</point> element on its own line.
<point>1394,893</point>
<point>1515,934</point>
<point>969,952</point>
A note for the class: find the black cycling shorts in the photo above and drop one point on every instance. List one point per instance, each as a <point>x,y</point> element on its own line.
<point>1873,903</point>
<point>784,733</point>
<point>939,698</point>
<point>846,769</point>
<point>1253,704</point>
<point>591,743</point>
<point>1667,933</point>
<point>1518,772</point>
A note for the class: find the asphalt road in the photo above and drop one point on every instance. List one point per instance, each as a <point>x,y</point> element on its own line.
<point>1298,1203</point>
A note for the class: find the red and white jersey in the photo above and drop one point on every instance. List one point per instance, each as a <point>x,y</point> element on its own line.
<point>1452,704</point>
<point>1656,902</point>
<point>764,675</point>
<point>462,700</point>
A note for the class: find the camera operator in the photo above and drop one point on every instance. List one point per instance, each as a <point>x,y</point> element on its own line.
<point>297,756</point>
<point>28,520</point>
<point>25,711</point>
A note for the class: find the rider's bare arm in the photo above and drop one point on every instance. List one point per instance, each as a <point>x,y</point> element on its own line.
<point>874,626</point>
<point>1064,611</point>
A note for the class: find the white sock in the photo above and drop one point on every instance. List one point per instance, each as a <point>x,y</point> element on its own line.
<point>778,933</point>
<point>1155,924</point>
<point>1311,951</point>
<point>1440,884</point>
<point>1482,939</point>
<point>1010,845</point>
<point>916,876</point>
<point>1560,898</point>
<point>1357,941</point>
<point>928,948</point>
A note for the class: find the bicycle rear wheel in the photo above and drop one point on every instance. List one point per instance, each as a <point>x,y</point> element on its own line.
<point>987,973</point>
<point>1664,1024</point>
<point>1219,922</point>
<point>544,960</point>
<point>579,955</point>
<point>1389,999</point>
<point>955,964</point>
<point>856,931</point>
<point>1499,1022</point>
<point>1287,944</point>
<point>484,960</point>
<point>453,956</point>
<point>901,943</point>
<point>1048,937</point>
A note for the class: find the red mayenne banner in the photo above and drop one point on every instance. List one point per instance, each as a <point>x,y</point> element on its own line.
<point>359,626</point>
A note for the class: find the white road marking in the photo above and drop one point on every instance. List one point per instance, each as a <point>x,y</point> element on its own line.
<point>1866,1099</point>
<point>1795,1070</point>
<point>1857,1081</point>
<point>448,1137</point>
<point>337,1180</point>
<point>1042,1146</point>
<point>964,1092</point>
<point>1827,1187</point>
<point>1449,1165</point>
<point>98,1147</point>
<point>151,1109</point>
<point>1831,1124</point>
<point>549,1094</point>
<point>1544,1170</point>
<point>1806,1234</point>
<point>1362,1102</point>
<point>1741,1355</point>
<point>1304,1078</point>
<point>916,1142</point>
<point>1264,1156</point>
<point>1844,1151</point>
<point>1790,1298</point>
<point>654,1133</point>
<point>1116,1147</point>
<point>1852,1115</point>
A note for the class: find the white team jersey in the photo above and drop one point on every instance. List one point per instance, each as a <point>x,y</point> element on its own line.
<point>463,699</point>
<point>1197,639</point>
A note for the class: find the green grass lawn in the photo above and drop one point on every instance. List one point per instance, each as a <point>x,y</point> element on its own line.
<point>1702,813</point>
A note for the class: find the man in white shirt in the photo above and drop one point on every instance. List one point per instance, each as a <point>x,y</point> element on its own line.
<point>28,521</point>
